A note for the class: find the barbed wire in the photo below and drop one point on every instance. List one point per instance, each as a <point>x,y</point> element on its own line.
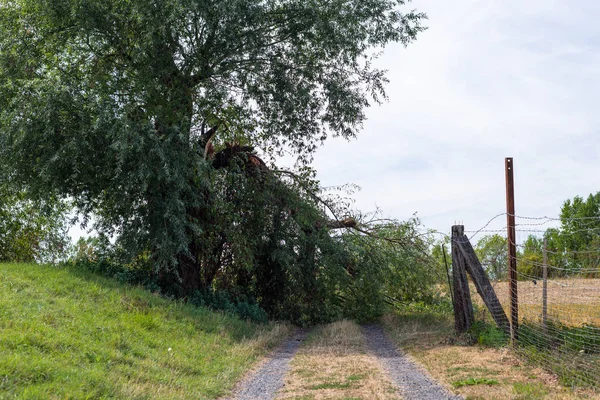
<point>545,219</point>
<point>596,218</point>
<point>563,252</point>
<point>486,225</point>
<point>561,333</point>
<point>585,270</point>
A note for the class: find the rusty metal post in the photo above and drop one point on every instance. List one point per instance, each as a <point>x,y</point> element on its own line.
<point>545,288</point>
<point>512,250</point>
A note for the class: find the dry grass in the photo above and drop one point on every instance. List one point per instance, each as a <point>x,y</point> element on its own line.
<point>426,340</point>
<point>269,336</point>
<point>334,364</point>
<point>571,301</point>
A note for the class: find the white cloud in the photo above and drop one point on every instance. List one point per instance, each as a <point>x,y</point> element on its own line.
<point>488,79</point>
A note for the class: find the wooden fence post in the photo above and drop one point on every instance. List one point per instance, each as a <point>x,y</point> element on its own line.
<point>482,284</point>
<point>463,307</point>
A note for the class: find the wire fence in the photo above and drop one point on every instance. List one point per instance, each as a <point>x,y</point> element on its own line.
<point>557,290</point>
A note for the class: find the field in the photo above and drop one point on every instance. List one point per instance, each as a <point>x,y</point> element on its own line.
<point>569,345</point>
<point>573,302</point>
<point>69,334</point>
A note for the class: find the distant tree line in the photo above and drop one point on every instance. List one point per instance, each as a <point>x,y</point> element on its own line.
<point>573,248</point>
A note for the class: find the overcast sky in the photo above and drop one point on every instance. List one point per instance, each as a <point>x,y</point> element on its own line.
<point>489,79</point>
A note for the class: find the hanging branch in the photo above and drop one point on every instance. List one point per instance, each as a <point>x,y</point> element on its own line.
<point>252,162</point>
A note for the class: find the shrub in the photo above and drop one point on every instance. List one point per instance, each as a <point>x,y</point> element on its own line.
<point>488,335</point>
<point>99,256</point>
<point>221,301</point>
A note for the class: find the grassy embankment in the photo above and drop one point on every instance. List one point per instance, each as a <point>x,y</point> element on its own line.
<point>69,334</point>
<point>476,372</point>
<point>334,363</point>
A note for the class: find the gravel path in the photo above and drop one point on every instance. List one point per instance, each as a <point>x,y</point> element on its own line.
<point>413,382</point>
<point>264,383</point>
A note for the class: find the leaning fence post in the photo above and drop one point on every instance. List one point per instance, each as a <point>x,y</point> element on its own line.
<point>463,307</point>
<point>482,283</point>
<point>545,288</point>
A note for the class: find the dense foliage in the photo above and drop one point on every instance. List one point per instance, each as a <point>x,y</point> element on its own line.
<point>31,230</point>
<point>354,274</point>
<point>150,117</point>
<point>492,253</point>
<point>574,247</point>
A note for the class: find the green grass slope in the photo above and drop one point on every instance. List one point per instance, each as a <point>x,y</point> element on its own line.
<point>69,334</point>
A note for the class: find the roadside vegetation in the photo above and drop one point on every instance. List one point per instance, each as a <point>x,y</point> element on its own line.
<point>67,333</point>
<point>477,365</point>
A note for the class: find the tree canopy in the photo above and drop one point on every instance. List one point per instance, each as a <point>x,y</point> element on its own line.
<point>31,230</point>
<point>492,252</point>
<point>155,117</point>
<point>573,246</point>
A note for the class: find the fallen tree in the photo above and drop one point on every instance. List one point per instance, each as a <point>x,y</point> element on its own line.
<point>126,108</point>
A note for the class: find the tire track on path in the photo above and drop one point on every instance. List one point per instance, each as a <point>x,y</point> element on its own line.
<point>264,383</point>
<point>414,383</point>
